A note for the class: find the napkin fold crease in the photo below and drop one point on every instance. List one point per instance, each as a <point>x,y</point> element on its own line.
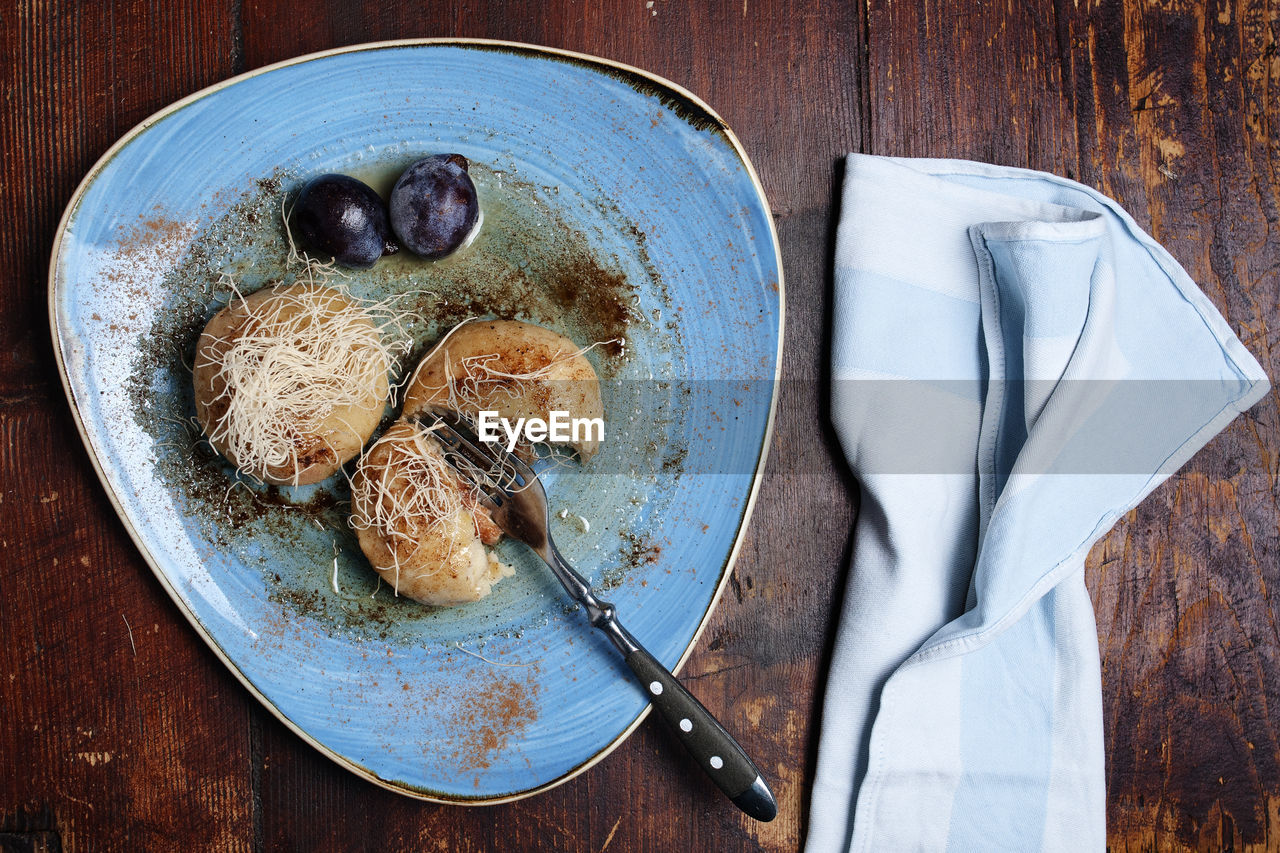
<point>1016,364</point>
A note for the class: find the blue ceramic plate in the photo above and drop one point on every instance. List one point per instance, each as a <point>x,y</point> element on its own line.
<point>615,205</point>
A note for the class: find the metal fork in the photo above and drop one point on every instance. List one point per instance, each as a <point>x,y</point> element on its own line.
<point>516,500</point>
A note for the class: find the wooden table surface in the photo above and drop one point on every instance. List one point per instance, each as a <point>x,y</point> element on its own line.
<point>120,730</point>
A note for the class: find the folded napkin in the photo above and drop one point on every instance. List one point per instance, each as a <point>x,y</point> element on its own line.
<point>1015,365</point>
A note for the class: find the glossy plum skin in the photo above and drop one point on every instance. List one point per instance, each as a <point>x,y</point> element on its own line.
<point>434,206</point>
<point>341,218</point>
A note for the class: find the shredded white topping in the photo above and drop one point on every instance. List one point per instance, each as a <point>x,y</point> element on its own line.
<point>478,381</point>
<point>405,491</point>
<point>302,354</point>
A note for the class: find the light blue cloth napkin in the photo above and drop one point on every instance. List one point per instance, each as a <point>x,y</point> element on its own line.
<point>1015,365</point>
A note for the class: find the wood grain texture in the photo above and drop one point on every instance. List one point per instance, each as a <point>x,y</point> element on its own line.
<point>1178,120</point>
<point>131,735</point>
<point>1171,109</point>
<point>75,77</point>
<point>120,730</point>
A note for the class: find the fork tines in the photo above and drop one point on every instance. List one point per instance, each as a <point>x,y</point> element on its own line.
<point>488,466</point>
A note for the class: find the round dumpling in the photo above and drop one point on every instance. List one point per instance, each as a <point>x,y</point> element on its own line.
<point>516,369</point>
<point>290,382</point>
<point>422,531</point>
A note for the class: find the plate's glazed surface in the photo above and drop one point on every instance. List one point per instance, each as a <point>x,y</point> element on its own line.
<point>616,206</point>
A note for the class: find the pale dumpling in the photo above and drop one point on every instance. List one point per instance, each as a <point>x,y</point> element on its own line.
<point>516,369</point>
<point>421,528</point>
<point>418,526</point>
<point>290,382</point>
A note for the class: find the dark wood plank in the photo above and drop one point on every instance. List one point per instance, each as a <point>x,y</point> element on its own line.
<point>1170,109</point>
<point>75,77</point>
<point>1178,116</point>
<point>120,729</point>
<point>975,81</point>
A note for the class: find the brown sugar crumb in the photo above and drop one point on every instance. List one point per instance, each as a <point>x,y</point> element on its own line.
<point>642,550</point>
<point>601,296</point>
<point>637,550</point>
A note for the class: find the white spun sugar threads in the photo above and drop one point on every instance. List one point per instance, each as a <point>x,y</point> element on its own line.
<point>299,356</point>
<point>482,381</point>
<point>406,497</point>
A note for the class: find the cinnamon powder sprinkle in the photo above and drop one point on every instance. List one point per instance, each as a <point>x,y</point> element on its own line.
<point>489,714</point>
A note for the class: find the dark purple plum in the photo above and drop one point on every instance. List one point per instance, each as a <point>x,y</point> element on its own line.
<point>434,207</point>
<point>341,218</point>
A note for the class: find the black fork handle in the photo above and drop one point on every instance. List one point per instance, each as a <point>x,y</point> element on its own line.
<point>715,750</point>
